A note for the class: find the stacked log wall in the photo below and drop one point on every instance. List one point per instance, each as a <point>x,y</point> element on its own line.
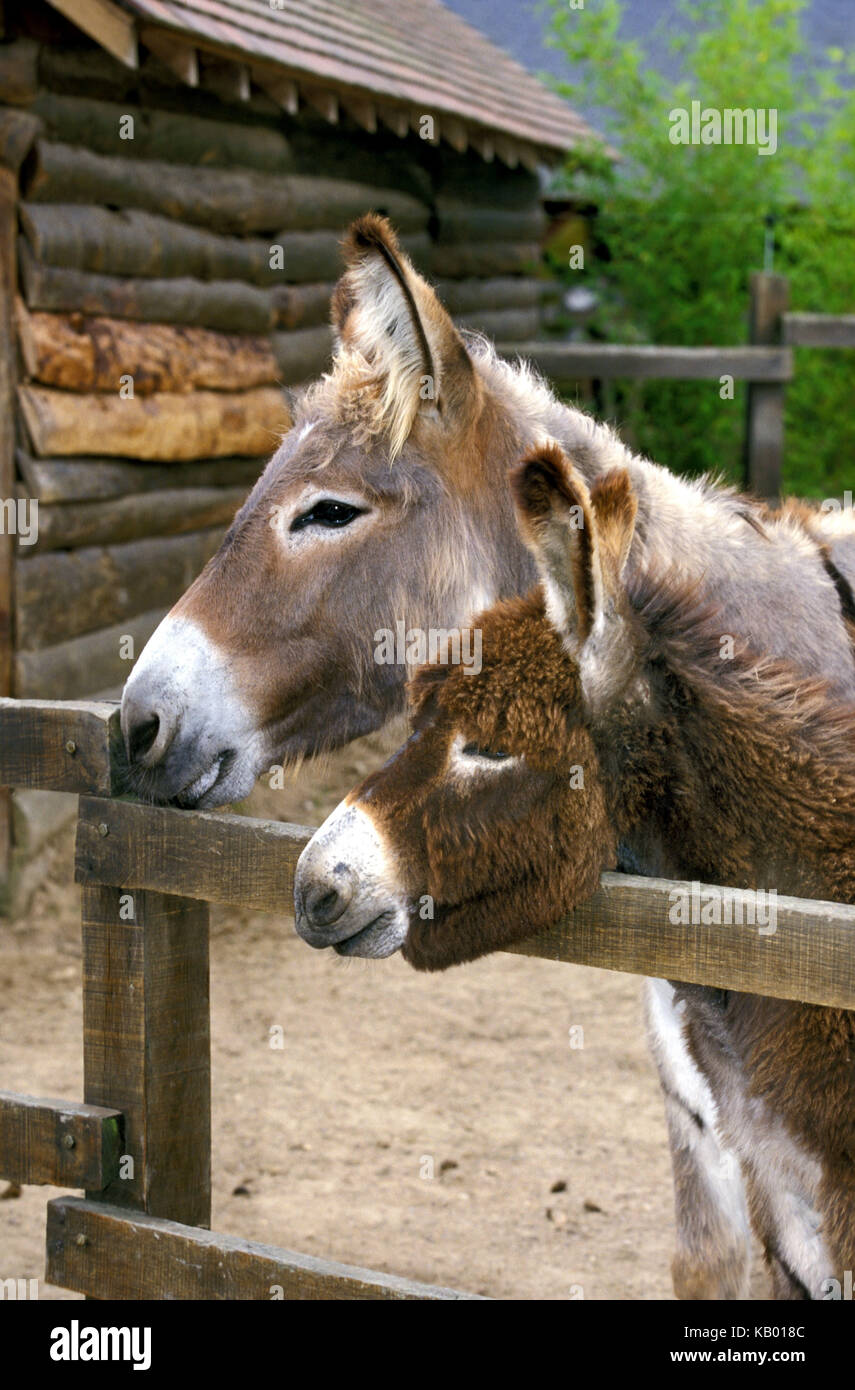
<point>176,254</point>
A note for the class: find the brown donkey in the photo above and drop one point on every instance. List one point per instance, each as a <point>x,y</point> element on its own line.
<point>606,714</point>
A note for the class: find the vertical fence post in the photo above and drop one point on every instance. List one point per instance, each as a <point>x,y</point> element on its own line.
<point>8,274</point>
<point>765,422</point>
<point>146,1044</point>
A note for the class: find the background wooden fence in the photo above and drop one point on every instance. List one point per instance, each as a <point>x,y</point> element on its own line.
<point>148,875</point>
<point>767,366</point>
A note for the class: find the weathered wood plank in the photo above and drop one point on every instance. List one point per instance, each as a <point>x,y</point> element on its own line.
<point>819,330</point>
<point>483,258</point>
<point>94,479</point>
<point>19,72</point>
<point>470,180</point>
<point>575,361</point>
<point>765,438</point>
<point>61,596</point>
<point>211,855</point>
<point>765,417</point>
<point>504,325</point>
<point>86,69</point>
<point>58,1142</point>
<point>177,137</point>
<point>302,355</point>
<point>86,665</point>
<point>95,354</point>
<point>180,57</point>
<point>138,244</point>
<point>382,162</point>
<point>165,425</point>
<point>109,26</point>
<point>226,305</point>
<point>251,139</point>
<point>137,266</point>
<point>18,133</point>
<point>240,201</point>
<point>462,297</point>
<point>112,1254</point>
<point>71,747</point>
<point>625,926</point>
<point>304,306</point>
<point>174,511</point>
<point>8,379</point>
<point>461,222</point>
<point>146,1045</point>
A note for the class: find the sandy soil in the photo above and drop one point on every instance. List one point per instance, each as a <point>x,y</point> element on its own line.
<point>551,1176</point>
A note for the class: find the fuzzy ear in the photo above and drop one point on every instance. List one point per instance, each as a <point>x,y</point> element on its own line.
<point>385,313</point>
<point>615,509</point>
<point>557,523</point>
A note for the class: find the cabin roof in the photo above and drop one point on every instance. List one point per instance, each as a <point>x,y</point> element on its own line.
<point>388,60</point>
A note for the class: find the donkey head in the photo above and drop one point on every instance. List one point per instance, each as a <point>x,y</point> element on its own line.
<point>493,819</point>
<point>380,506</point>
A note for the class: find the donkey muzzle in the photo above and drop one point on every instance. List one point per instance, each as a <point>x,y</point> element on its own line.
<point>346,890</point>
<point>190,736</point>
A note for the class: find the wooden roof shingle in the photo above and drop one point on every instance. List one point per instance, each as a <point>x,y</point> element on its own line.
<point>397,59</point>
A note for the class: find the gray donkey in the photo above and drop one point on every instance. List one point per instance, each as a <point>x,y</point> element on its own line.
<point>387,503</point>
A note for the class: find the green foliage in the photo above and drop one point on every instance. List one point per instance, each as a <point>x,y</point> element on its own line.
<point>680,227</point>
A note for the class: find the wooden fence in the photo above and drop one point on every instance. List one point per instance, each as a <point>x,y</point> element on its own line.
<point>767,366</point>
<point>140,1143</point>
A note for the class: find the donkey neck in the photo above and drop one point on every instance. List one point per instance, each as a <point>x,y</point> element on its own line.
<point>745,781</point>
<point>755,571</point>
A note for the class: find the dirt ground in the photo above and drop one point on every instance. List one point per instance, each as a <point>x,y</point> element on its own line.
<point>550,1170</point>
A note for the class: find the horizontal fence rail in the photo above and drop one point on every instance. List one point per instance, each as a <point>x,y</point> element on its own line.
<point>627,925</point>
<point>52,745</point>
<point>766,365</point>
<point>632,924</point>
<point>92,1247</point>
<point>58,1142</point>
<point>819,330</point>
<point>577,361</point>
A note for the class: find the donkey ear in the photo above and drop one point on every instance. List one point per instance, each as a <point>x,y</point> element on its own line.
<point>385,313</point>
<point>556,519</point>
<point>615,509</point>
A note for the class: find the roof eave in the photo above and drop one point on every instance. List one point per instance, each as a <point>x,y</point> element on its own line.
<point>121,33</point>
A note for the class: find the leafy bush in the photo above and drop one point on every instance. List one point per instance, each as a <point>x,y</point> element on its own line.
<point>680,227</point>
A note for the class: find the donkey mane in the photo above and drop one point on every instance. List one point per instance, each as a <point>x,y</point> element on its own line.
<point>533,403</point>
<point>348,396</point>
<point>750,725</point>
<point>684,633</point>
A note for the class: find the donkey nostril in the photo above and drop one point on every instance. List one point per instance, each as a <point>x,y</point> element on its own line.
<point>141,737</point>
<point>324,905</point>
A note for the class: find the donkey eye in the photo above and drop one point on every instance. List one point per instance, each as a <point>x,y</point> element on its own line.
<point>327,513</point>
<point>474,750</point>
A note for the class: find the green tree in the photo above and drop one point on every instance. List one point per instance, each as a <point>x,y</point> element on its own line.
<point>682,226</point>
